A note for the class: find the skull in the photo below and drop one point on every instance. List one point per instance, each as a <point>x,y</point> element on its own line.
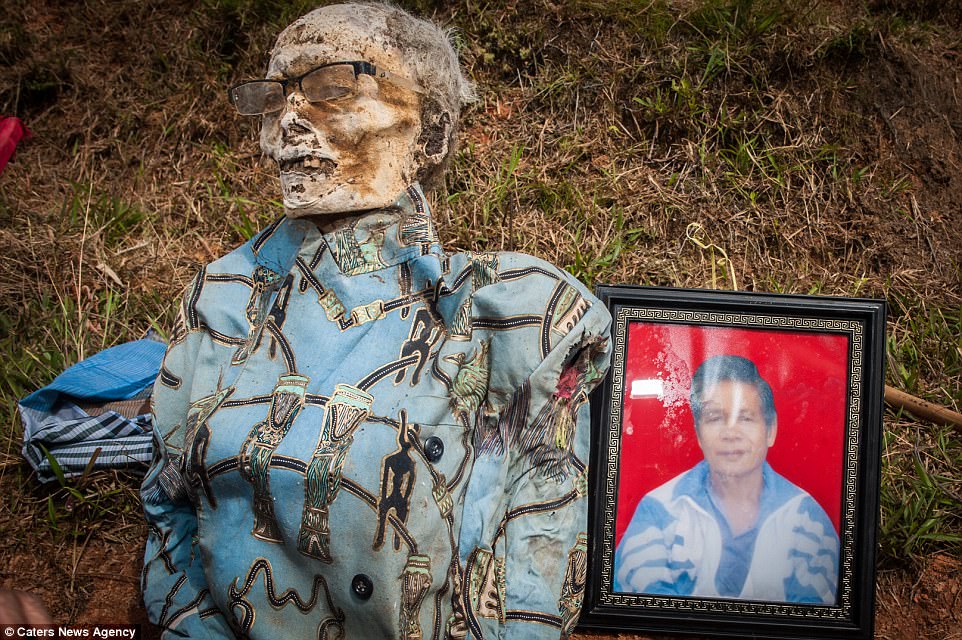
<point>352,153</point>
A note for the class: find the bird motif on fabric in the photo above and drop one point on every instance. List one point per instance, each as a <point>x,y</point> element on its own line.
<point>196,440</point>
<point>470,384</point>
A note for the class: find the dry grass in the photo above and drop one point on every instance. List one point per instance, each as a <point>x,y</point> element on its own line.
<point>807,147</point>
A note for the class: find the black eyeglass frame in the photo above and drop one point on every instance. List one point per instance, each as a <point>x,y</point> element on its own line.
<point>360,67</point>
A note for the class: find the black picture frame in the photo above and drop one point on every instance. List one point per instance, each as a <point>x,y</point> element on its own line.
<point>787,321</point>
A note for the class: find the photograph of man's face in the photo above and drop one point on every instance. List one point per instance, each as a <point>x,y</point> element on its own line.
<point>708,504</point>
<point>733,428</point>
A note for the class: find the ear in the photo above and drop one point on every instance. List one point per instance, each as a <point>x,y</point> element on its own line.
<point>435,133</point>
<point>772,432</point>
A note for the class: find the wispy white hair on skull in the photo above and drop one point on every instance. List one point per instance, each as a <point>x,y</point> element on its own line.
<point>429,54</point>
<point>430,51</point>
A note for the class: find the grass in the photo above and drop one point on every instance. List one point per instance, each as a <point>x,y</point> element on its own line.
<point>758,145</point>
<point>921,493</point>
<point>924,344</point>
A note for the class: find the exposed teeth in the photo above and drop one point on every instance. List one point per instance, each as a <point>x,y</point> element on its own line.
<point>307,163</point>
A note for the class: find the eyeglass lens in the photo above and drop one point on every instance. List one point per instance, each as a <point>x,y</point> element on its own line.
<point>257,97</point>
<point>266,96</point>
<point>329,83</point>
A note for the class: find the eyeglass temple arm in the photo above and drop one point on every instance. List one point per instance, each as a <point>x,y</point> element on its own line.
<point>410,85</point>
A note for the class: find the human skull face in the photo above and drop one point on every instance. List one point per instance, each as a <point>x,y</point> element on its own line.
<point>353,153</point>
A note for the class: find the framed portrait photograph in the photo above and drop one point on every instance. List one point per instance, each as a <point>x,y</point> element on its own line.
<point>735,465</point>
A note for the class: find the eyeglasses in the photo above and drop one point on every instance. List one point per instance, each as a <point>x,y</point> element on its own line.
<point>332,81</point>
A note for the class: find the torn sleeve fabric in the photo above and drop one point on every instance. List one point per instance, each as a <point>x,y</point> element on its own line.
<point>361,435</point>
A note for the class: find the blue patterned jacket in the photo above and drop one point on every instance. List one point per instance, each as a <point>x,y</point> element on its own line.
<point>359,436</point>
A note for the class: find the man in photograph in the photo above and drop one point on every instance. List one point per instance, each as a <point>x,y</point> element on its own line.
<point>731,526</point>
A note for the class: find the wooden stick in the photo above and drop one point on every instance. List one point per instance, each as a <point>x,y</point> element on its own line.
<point>922,408</point>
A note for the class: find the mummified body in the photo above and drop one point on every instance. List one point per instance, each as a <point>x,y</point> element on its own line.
<point>359,435</point>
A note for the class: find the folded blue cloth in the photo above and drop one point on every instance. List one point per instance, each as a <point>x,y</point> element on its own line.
<point>58,418</point>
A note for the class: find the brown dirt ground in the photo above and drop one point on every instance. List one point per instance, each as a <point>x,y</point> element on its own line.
<point>923,605</point>
<point>912,606</point>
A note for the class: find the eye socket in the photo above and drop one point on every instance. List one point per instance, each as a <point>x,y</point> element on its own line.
<point>329,83</point>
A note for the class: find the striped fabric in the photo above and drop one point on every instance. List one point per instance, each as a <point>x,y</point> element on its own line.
<point>78,416</point>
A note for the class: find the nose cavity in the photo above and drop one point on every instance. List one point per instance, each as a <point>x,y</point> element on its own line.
<point>294,126</point>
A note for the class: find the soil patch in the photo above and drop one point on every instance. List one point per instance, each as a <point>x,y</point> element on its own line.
<point>911,605</point>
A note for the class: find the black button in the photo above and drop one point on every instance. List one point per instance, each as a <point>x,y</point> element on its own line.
<point>434,448</point>
<point>362,586</point>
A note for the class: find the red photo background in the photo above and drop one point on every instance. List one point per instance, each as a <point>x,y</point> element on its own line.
<point>809,379</point>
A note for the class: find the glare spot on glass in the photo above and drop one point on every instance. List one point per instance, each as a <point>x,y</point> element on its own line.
<point>646,389</point>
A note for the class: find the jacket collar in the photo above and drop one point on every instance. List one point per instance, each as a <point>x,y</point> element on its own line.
<point>373,241</point>
<point>776,490</point>
<point>386,237</point>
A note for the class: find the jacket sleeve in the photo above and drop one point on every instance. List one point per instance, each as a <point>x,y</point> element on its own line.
<point>643,559</point>
<point>545,539</point>
<point>173,581</point>
<point>813,556</point>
